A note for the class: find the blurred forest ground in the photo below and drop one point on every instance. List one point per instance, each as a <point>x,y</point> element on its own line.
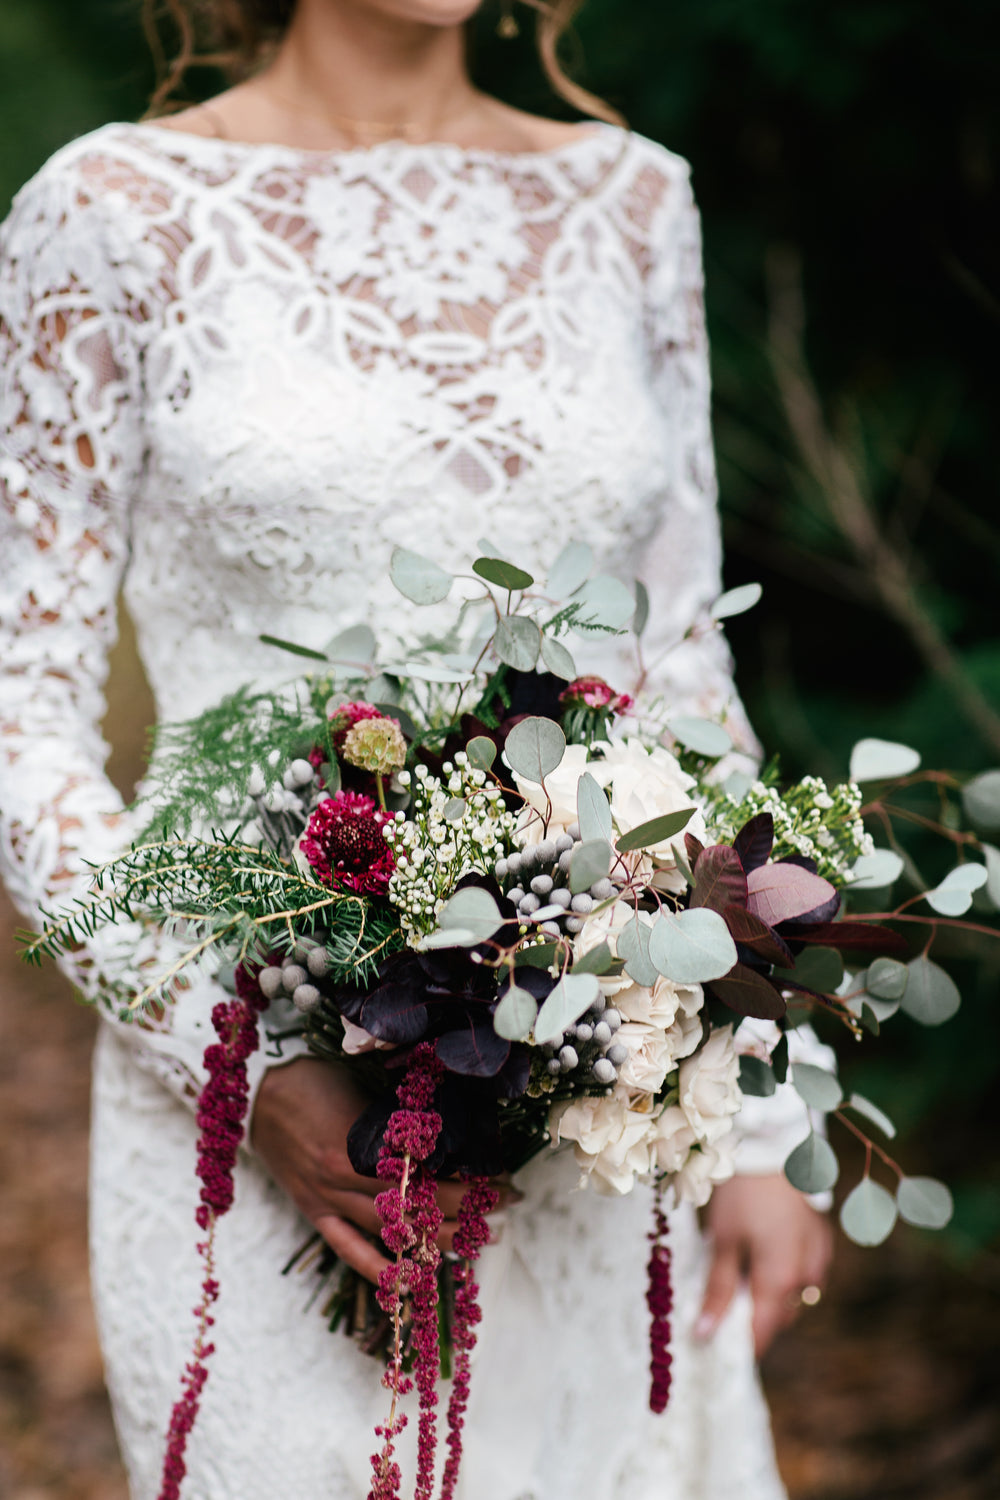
<point>846,160</point>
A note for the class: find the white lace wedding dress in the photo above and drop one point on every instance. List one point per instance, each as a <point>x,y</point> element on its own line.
<point>233,377</point>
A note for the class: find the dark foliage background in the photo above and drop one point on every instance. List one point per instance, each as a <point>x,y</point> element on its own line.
<point>846,159</point>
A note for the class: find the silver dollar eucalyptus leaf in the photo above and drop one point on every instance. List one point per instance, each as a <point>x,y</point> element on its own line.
<point>565,1004</point>
<point>515,1015</point>
<point>557,658</point>
<point>736,601</point>
<point>417,577</point>
<point>517,642</point>
<point>534,748</point>
<point>868,1213</point>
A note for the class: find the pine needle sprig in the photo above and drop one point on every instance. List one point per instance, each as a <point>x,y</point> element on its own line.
<point>575,616</point>
<point>221,893</point>
<point>204,764</point>
<point>364,934</point>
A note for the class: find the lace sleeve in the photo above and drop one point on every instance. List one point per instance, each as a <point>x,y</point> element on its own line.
<point>683,565</point>
<point>71,460</point>
<point>697,676</point>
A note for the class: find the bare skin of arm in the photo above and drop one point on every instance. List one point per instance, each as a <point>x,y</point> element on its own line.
<point>301,1119</point>
<point>763,1232</point>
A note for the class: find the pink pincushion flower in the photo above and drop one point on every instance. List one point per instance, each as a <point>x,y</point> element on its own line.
<point>594,692</point>
<point>345,846</point>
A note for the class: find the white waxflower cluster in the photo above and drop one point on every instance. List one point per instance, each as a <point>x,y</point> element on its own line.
<point>809,818</point>
<point>452,827</point>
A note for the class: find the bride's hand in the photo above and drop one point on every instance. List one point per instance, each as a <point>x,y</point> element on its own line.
<point>301,1118</point>
<point>763,1230</point>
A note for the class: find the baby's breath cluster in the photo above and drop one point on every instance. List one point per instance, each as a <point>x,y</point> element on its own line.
<point>809,818</point>
<point>453,826</point>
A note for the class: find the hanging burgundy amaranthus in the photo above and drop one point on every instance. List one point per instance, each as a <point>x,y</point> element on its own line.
<point>660,1301</point>
<point>472,1234</point>
<point>221,1112</point>
<point>410,1219</point>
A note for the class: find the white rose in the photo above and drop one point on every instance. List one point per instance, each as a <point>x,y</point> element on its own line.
<point>694,1166</point>
<point>672,1140</point>
<point>709,1086</point>
<point>663,1004</point>
<point>674,1008</point>
<point>647,784</point>
<point>704,1169</point>
<point>649,1060</point>
<point>612,1141</point>
<point>560,785</point>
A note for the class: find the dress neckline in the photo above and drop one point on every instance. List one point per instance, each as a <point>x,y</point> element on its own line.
<point>591,130</point>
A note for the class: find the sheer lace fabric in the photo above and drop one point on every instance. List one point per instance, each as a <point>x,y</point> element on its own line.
<point>233,378</point>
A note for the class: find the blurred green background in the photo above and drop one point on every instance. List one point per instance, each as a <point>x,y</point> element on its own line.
<point>846,159</point>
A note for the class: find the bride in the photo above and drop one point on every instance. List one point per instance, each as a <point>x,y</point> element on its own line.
<point>352,303</point>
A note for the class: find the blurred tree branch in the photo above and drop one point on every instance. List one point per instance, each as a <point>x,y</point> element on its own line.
<point>826,461</point>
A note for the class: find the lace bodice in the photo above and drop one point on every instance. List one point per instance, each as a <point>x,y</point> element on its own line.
<point>235,376</point>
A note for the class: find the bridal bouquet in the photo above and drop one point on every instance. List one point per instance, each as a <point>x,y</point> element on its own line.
<point>529,913</point>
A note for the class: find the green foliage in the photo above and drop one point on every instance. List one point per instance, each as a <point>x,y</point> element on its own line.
<point>812,1167</point>
<point>217,893</point>
<point>197,764</point>
<point>868,1213</point>
<point>363,935</point>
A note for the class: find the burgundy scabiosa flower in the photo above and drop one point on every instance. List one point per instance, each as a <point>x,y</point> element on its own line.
<point>345,846</point>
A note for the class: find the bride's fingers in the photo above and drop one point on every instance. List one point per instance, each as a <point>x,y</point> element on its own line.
<point>352,1246</point>
<point>775,1306</point>
<point>723,1280</point>
<point>358,1210</point>
<point>819,1254</point>
<point>356,1207</point>
<point>449,1193</point>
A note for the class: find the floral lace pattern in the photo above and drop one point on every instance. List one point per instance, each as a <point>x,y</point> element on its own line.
<point>234,377</point>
